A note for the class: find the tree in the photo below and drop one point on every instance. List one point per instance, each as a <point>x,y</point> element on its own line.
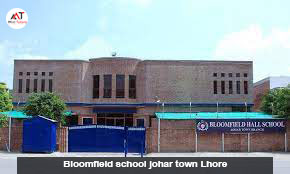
<point>3,121</point>
<point>5,99</point>
<point>277,102</point>
<point>46,104</point>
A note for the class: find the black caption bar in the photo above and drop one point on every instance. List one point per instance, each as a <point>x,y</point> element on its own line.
<point>168,165</point>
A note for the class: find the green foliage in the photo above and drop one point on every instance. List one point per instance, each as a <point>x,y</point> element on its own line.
<point>46,104</point>
<point>3,121</point>
<point>277,101</point>
<point>5,99</point>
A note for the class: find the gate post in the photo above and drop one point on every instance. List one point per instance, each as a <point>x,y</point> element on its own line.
<point>286,142</point>
<point>158,135</point>
<point>249,143</point>
<point>195,141</point>
<point>223,142</point>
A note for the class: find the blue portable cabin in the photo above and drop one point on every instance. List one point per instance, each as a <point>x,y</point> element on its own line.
<point>39,135</point>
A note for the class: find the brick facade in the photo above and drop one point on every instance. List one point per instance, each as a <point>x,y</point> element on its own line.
<point>175,136</point>
<point>169,81</point>
<point>179,136</point>
<point>16,139</point>
<point>236,142</point>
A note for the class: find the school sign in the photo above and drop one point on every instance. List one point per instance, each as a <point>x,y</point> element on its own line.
<point>240,125</point>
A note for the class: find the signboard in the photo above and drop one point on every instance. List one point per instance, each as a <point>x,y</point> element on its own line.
<point>240,125</point>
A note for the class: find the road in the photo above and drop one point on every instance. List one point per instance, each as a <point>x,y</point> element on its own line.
<point>8,161</point>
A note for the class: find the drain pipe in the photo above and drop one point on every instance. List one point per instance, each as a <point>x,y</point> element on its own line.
<point>158,134</point>
<point>9,141</point>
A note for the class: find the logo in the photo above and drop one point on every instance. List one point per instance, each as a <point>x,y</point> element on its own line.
<point>17,18</point>
<point>202,126</point>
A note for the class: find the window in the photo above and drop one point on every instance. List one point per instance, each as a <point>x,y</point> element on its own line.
<point>230,74</point>
<point>20,73</point>
<point>238,75</point>
<point>215,74</point>
<point>87,121</point>
<point>28,73</point>
<point>150,120</point>
<point>20,86</point>
<point>120,86</point>
<point>50,73</point>
<point>50,85</point>
<point>35,73</point>
<point>35,85</point>
<point>96,86</point>
<point>132,86</point>
<point>27,85</point>
<point>245,75</point>
<point>245,87</point>
<point>223,87</point>
<point>140,122</point>
<point>222,74</point>
<point>230,87</point>
<point>42,85</point>
<point>107,86</point>
<point>238,87</point>
<point>215,87</point>
<point>43,73</point>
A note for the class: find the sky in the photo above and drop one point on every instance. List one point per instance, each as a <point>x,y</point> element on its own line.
<point>150,29</point>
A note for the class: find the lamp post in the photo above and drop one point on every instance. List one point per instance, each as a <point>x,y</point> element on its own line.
<point>158,101</point>
<point>9,140</point>
<point>217,109</point>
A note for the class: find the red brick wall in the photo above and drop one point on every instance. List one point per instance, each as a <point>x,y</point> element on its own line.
<point>62,139</point>
<point>179,136</point>
<point>209,142</point>
<point>259,91</point>
<point>236,142</point>
<point>16,138</point>
<point>175,136</point>
<point>3,138</point>
<point>267,142</point>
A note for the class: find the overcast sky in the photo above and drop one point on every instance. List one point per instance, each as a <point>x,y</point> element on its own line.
<point>150,29</point>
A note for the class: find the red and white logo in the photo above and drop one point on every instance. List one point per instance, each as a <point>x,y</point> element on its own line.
<point>17,18</point>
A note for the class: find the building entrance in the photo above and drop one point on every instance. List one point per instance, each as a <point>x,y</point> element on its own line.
<point>115,119</point>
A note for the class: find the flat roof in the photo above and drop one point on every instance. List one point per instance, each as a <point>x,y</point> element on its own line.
<point>138,59</point>
<point>211,115</point>
<point>15,114</point>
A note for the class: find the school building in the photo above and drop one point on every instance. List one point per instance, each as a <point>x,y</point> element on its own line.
<point>128,91</point>
<point>185,105</point>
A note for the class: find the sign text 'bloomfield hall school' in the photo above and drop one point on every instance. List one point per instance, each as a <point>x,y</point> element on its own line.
<point>240,125</point>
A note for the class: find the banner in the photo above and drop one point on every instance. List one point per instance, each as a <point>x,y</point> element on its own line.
<point>135,165</point>
<point>240,125</point>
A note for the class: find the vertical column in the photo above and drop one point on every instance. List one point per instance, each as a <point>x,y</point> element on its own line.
<point>196,139</point>
<point>249,142</point>
<point>9,141</point>
<point>158,134</point>
<point>223,142</point>
<point>286,142</point>
<point>66,131</point>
